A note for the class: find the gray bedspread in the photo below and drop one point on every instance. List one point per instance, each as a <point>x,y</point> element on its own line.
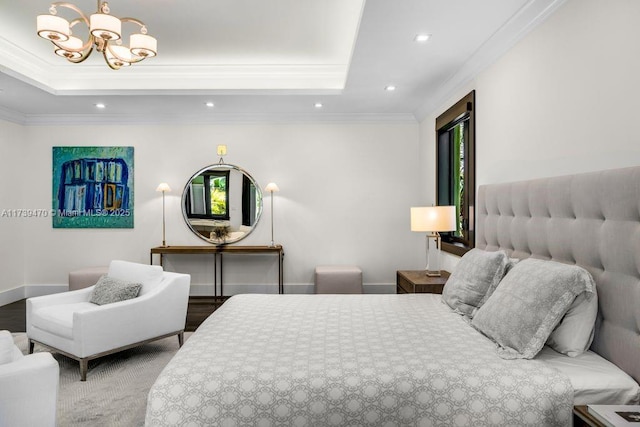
<point>356,360</point>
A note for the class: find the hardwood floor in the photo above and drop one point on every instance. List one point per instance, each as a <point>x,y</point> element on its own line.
<point>200,308</point>
<point>13,316</point>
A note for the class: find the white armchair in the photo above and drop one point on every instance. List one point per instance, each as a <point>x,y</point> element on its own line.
<point>28,386</point>
<point>73,326</point>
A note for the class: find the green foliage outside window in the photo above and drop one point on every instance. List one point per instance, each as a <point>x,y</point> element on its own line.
<point>458,175</point>
<point>218,195</point>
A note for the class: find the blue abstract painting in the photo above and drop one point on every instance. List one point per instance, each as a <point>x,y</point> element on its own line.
<point>92,187</point>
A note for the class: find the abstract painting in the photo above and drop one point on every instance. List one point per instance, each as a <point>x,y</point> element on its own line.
<point>92,187</point>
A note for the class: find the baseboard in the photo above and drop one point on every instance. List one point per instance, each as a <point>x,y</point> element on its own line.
<point>11,295</point>
<point>28,291</point>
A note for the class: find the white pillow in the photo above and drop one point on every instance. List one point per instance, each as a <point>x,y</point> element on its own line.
<point>148,275</point>
<point>574,334</point>
<point>474,279</point>
<point>528,305</point>
<point>6,347</point>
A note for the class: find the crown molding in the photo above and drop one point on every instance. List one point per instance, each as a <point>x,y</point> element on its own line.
<point>204,119</point>
<point>149,79</point>
<point>528,17</point>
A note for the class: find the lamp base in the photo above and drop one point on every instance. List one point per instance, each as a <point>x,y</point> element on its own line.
<point>433,255</point>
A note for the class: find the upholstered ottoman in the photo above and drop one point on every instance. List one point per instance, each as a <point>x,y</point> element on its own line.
<point>338,279</point>
<point>85,277</point>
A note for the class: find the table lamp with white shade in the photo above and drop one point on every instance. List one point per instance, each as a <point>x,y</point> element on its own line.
<point>272,187</point>
<point>163,187</point>
<point>433,219</point>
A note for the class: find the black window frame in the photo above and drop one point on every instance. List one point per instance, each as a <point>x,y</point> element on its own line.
<point>207,194</point>
<point>461,111</point>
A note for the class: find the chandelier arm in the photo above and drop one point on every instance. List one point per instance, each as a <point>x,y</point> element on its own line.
<point>74,8</point>
<point>84,56</point>
<point>134,21</point>
<point>87,45</point>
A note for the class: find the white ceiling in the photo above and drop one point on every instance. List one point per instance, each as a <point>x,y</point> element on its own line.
<point>258,59</point>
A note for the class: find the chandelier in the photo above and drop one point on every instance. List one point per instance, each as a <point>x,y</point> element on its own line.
<point>104,33</point>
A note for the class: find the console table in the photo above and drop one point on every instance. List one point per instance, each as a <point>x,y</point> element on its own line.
<point>218,252</point>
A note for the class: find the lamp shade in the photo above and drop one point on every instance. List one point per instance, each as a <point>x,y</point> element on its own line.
<point>53,28</point>
<point>120,56</point>
<point>163,187</point>
<point>105,26</point>
<point>143,45</point>
<point>70,48</point>
<point>271,187</point>
<point>433,218</point>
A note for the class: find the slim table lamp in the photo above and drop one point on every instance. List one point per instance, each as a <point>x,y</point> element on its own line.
<point>433,219</point>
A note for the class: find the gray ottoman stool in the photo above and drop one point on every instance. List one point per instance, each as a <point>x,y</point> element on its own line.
<point>338,279</point>
<point>85,277</point>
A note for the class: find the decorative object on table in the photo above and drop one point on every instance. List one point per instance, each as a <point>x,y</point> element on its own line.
<point>271,188</point>
<point>163,187</point>
<point>220,233</point>
<point>104,33</point>
<point>433,219</point>
<point>92,187</point>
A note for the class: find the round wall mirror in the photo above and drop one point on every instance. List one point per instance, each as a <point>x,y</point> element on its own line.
<point>222,204</point>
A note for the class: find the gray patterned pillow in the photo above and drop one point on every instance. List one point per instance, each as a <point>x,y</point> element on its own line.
<point>109,290</point>
<point>475,277</point>
<point>528,304</point>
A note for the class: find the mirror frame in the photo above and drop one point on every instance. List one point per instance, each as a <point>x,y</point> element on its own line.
<point>228,167</point>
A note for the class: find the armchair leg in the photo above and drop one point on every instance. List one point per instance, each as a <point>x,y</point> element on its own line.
<point>84,367</point>
<point>180,338</point>
<point>31,346</point>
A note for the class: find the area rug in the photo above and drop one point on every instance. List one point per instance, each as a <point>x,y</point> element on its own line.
<point>115,393</point>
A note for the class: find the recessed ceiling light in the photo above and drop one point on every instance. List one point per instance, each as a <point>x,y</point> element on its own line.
<point>318,105</point>
<point>390,88</point>
<point>209,104</point>
<point>100,105</point>
<point>422,38</point>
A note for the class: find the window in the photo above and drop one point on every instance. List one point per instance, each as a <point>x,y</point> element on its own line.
<point>455,171</point>
<point>208,196</point>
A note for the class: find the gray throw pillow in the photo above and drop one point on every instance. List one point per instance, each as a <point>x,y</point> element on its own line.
<point>475,277</point>
<point>109,290</point>
<point>528,304</point>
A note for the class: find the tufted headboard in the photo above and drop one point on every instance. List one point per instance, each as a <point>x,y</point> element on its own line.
<point>592,220</point>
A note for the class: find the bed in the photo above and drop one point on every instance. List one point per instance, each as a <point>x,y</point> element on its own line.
<point>410,359</point>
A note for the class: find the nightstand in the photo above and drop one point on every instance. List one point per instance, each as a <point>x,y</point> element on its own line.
<point>417,282</point>
<point>582,417</point>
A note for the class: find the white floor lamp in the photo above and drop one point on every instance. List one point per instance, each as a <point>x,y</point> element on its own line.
<point>433,219</point>
<point>164,187</point>
<point>271,188</point>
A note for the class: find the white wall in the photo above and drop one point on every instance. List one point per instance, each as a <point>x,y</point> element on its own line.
<point>14,167</point>
<point>345,195</point>
<point>564,100</point>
